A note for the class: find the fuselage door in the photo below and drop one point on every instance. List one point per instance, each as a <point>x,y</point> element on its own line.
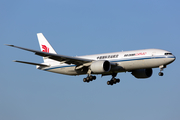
<point>153,55</point>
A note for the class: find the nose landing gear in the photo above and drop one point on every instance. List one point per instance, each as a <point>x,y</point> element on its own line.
<point>160,73</point>
<point>161,69</point>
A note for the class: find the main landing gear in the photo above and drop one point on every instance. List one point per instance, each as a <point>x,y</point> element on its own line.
<point>89,78</point>
<point>113,80</point>
<point>161,69</point>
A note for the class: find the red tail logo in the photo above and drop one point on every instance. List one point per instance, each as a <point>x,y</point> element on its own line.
<point>45,48</point>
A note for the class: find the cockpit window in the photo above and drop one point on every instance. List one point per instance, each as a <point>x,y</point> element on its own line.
<point>168,53</point>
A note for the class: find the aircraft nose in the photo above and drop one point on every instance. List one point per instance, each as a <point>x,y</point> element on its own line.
<point>174,58</point>
<point>171,58</point>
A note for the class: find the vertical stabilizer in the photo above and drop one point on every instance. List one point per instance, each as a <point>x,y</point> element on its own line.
<point>46,47</point>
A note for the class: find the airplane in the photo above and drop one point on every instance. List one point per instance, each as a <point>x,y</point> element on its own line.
<point>138,62</point>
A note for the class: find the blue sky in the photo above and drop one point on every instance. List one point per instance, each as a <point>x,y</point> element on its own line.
<point>84,27</point>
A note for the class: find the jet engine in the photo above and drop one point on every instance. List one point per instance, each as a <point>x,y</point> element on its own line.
<point>142,73</point>
<point>100,66</point>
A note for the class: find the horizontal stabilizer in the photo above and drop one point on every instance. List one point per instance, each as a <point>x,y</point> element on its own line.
<point>42,65</point>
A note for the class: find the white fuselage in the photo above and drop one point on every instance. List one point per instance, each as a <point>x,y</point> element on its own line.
<point>126,61</point>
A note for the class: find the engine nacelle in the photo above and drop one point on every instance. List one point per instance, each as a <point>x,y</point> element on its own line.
<point>142,73</point>
<point>100,66</point>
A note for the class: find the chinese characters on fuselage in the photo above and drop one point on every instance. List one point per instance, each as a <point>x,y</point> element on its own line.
<point>107,56</point>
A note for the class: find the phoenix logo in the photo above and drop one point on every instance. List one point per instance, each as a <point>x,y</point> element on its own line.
<point>45,48</point>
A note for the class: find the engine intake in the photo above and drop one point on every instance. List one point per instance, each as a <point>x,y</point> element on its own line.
<point>142,73</point>
<point>100,66</point>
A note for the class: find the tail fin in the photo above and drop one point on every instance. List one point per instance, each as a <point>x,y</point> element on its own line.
<point>46,47</point>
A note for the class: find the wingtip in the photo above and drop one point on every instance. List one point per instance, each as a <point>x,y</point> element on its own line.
<point>9,45</point>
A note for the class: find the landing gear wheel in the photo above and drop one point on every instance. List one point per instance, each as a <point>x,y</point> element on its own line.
<point>111,82</point>
<point>114,80</point>
<point>91,78</point>
<point>94,77</point>
<point>117,80</point>
<point>160,73</point>
<point>84,80</point>
<point>108,83</point>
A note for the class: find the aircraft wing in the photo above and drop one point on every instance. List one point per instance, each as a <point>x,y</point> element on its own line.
<point>57,57</point>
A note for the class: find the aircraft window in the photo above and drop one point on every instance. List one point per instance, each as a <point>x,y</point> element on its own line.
<point>168,53</point>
